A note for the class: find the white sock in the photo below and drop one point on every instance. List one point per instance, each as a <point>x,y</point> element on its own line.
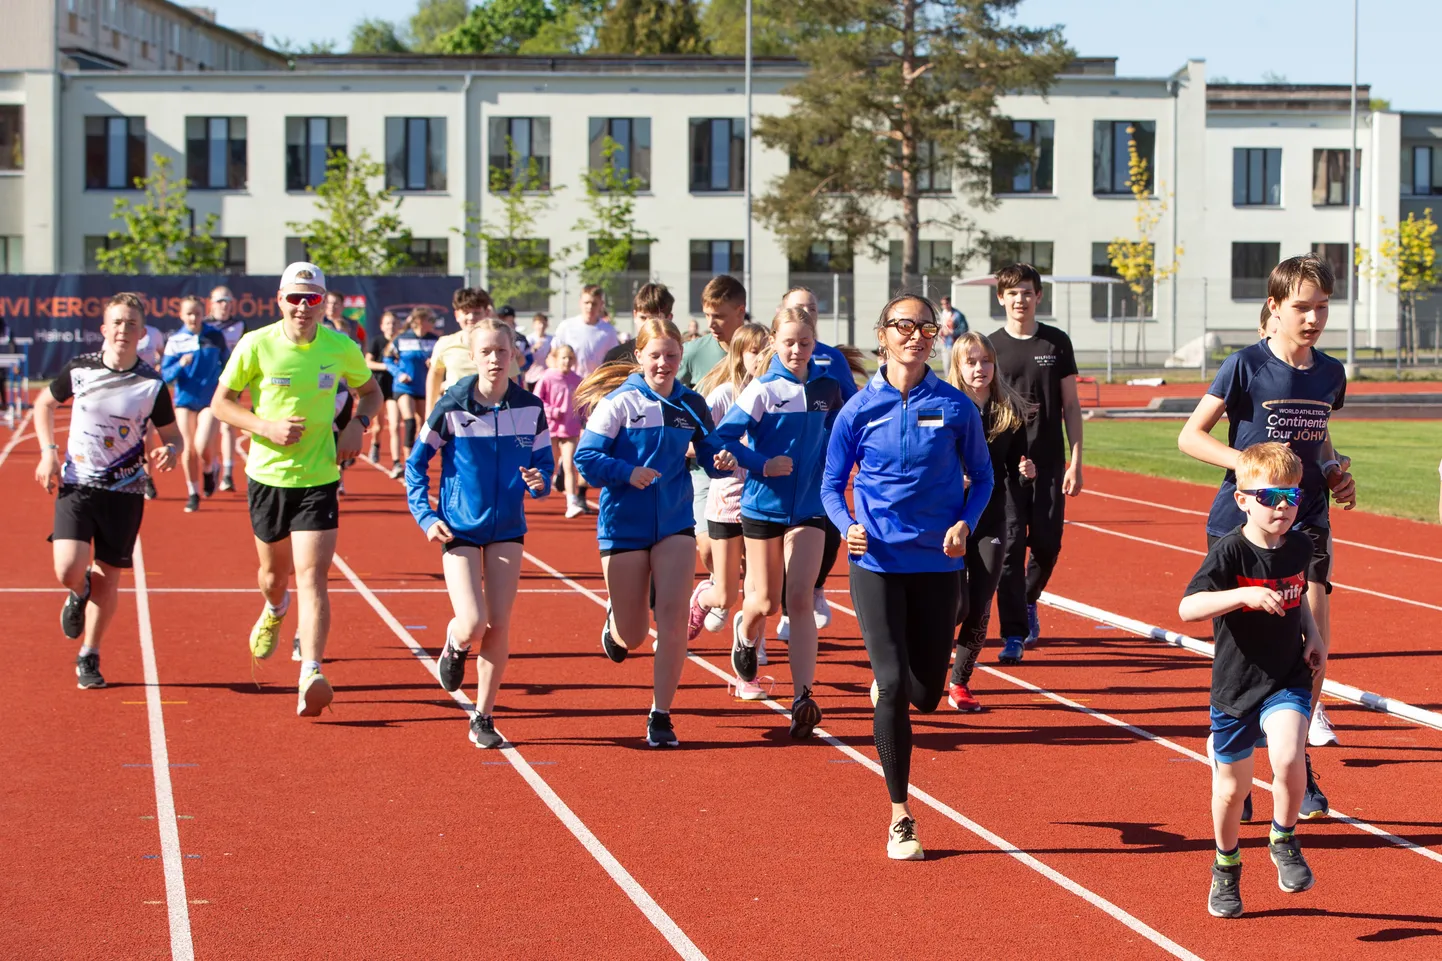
<point>190,487</point>
<point>86,650</point>
<point>229,466</point>
<point>284,606</point>
<point>657,710</point>
<point>309,667</point>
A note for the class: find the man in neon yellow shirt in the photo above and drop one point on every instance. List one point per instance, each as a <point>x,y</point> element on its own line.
<point>292,369</point>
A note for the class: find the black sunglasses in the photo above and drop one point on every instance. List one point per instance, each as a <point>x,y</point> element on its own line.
<point>929,329</point>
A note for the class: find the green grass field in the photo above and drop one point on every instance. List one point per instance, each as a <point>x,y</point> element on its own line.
<point>1395,462</point>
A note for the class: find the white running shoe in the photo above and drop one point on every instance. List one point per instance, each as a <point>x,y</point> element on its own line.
<point>716,618</point>
<point>748,690</point>
<point>1320,733</point>
<point>783,629</point>
<point>821,609</point>
<point>315,695</point>
<point>574,507</point>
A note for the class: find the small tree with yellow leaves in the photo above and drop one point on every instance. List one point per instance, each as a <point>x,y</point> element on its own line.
<point>1406,261</point>
<point>1134,259</point>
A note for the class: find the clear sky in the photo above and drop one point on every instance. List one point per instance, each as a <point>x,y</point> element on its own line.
<point>1305,41</point>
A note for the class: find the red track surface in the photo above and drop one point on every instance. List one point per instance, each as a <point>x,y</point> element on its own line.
<point>377,831</point>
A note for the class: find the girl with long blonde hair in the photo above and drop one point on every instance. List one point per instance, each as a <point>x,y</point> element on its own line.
<point>641,421</point>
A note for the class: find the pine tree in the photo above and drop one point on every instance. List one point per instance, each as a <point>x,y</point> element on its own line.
<point>642,27</point>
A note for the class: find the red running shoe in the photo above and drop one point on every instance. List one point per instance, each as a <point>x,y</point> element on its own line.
<point>961,698</point>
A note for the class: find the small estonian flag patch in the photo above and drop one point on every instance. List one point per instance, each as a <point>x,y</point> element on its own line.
<point>929,418</point>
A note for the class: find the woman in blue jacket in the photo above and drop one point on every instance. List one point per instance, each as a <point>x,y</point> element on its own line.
<point>634,446</point>
<point>786,416</point>
<point>912,437</point>
<point>194,357</point>
<point>494,449</point>
<point>409,359</point>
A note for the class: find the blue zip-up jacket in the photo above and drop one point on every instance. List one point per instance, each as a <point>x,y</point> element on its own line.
<point>781,415</point>
<point>635,427</point>
<point>482,452</point>
<point>413,354</point>
<point>195,382</point>
<point>832,361</point>
<point>908,490</point>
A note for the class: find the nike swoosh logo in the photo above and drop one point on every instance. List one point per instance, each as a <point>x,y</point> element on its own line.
<point>326,366</point>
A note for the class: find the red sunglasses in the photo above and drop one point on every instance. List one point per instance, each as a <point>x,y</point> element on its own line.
<point>310,300</point>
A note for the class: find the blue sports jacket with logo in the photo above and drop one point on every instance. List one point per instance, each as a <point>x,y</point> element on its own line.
<point>482,450</point>
<point>635,427</point>
<point>196,381</point>
<point>412,358</point>
<point>779,415</point>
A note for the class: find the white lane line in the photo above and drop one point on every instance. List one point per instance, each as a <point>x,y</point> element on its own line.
<point>16,436</point>
<point>995,840</point>
<point>1335,540</point>
<point>181,946</point>
<point>1363,826</point>
<point>1197,553</point>
<point>1367,699</point>
<point>654,913</point>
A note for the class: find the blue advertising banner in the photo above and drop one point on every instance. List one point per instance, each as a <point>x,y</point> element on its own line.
<point>53,317</point>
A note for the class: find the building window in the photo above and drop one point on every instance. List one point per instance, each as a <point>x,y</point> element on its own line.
<point>427,255</point>
<point>1422,176</point>
<point>1038,253</point>
<point>1329,177</point>
<point>12,255</point>
<point>215,152</point>
<point>633,140</point>
<point>933,172</point>
<point>12,137</point>
<point>1031,176</point>
<point>1111,160</point>
<point>529,138</point>
<point>114,152</point>
<point>235,255</point>
<point>712,257</point>
<point>621,288</point>
<point>295,251</point>
<point>1124,300</point>
<point>416,153</point>
<point>1336,257</point>
<point>1252,263</point>
<point>521,267</point>
<point>826,269</point>
<point>718,155</point>
<point>1257,177</point>
<point>94,244</point>
<point>309,142</point>
<point>933,268</point>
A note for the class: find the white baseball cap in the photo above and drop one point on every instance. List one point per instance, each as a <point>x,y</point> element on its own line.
<point>303,273</point>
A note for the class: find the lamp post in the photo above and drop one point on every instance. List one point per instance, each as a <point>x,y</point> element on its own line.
<point>1352,215</point>
<point>746,244</point>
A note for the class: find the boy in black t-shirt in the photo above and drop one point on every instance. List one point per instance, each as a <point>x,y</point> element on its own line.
<point>1037,360</point>
<point>1267,651</point>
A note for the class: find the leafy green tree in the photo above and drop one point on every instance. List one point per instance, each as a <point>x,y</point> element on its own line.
<point>375,36</point>
<point>572,31</point>
<point>899,102</point>
<point>610,226</point>
<point>359,230</point>
<point>432,19</point>
<point>1135,258</point>
<point>505,26</point>
<point>1406,261</point>
<point>518,264</point>
<point>723,23</point>
<point>160,236</point>
<point>641,27</point>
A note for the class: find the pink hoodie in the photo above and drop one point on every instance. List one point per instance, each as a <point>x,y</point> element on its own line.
<point>557,391</point>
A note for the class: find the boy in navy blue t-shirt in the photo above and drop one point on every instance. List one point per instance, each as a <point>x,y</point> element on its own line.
<point>1283,389</point>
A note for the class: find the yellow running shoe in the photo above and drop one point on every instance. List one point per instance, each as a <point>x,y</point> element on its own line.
<point>315,695</point>
<point>266,633</point>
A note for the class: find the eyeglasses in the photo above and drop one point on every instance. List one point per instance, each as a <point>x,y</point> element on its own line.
<point>906,328</point>
<point>295,299</point>
<point>1276,496</point>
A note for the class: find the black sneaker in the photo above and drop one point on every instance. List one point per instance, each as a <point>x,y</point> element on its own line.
<point>192,503</point>
<point>207,482</point>
<point>375,453</point>
<point>659,732</point>
<point>743,657</point>
<point>150,492</point>
<point>226,484</point>
<point>1225,900</point>
<point>72,615</point>
<point>451,666</point>
<point>1314,802</point>
<point>1293,874</point>
<point>1247,808</point>
<point>483,731</point>
<point>616,652</point>
<point>87,672</point>
<point>805,714</point>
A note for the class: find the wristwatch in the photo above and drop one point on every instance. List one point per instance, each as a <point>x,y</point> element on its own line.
<point>365,421</point>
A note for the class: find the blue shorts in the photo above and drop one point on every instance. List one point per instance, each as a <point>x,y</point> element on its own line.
<point>1234,738</point>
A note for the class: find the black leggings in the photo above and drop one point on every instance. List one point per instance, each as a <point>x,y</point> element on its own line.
<point>906,624</point>
<point>983,571</point>
<point>828,561</point>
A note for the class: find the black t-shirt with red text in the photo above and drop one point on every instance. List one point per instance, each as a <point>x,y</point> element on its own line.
<point>1036,366</point>
<point>1257,653</point>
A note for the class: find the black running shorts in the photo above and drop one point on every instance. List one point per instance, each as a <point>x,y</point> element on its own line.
<point>723,530</point>
<point>275,512</point>
<point>108,519</point>
<point>755,529</point>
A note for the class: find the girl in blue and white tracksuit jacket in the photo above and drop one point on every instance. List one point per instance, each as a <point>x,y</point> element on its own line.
<point>495,450</point>
<point>641,422</point>
<point>786,415</point>
<point>408,358</point>
<point>194,356</point>
<point>912,438</point>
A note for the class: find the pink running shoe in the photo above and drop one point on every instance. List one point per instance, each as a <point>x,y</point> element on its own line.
<point>697,615</point>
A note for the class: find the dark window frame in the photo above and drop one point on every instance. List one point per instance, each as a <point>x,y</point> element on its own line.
<point>235,254</point>
<point>1335,255</point>
<point>302,165</point>
<point>1109,155</point>
<point>1433,166</point>
<point>1252,263</point>
<point>1329,176</point>
<point>402,155</point>
<point>98,161</point>
<point>634,140</point>
<point>1256,173</point>
<point>428,256</point>
<point>503,133</point>
<point>1041,135</point>
<point>704,254</point>
<point>12,136</point>
<point>199,153</point>
<point>703,178</point>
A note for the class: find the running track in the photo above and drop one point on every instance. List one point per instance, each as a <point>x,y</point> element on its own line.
<point>377,831</point>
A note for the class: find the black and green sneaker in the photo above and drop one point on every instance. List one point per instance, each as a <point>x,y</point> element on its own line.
<point>1293,874</point>
<point>1225,899</point>
<point>72,615</point>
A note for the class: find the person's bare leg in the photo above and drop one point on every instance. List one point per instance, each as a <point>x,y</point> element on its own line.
<point>726,574</point>
<point>190,458</point>
<point>312,551</point>
<point>765,568</point>
<point>804,546</point>
<point>568,464</point>
<point>503,575</point>
<point>672,562</point>
<point>205,440</point>
<point>104,599</point>
<point>628,582</point>
<point>276,566</point>
<point>393,425</point>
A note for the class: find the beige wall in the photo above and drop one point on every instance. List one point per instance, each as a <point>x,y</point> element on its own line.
<point>27,35</point>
